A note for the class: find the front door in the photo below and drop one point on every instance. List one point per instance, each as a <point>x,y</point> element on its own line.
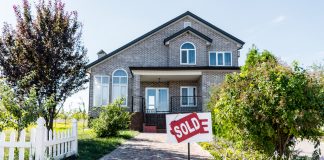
<point>157,100</point>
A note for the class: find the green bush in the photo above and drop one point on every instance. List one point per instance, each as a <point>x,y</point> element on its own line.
<point>112,119</point>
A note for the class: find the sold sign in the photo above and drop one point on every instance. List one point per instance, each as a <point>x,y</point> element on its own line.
<point>189,127</point>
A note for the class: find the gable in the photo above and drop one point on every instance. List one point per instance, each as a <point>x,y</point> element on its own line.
<point>158,29</point>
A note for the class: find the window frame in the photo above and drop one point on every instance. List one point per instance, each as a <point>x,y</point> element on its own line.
<point>181,96</point>
<point>223,53</point>
<point>120,85</point>
<point>187,50</point>
<point>94,94</point>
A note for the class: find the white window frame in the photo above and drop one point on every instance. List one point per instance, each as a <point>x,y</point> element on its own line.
<point>94,85</point>
<point>156,96</point>
<point>187,50</point>
<point>188,97</point>
<point>223,53</point>
<point>120,85</point>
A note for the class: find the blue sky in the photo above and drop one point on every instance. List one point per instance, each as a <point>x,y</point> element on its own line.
<point>290,29</point>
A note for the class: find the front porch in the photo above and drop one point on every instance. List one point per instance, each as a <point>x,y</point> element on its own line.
<point>158,93</point>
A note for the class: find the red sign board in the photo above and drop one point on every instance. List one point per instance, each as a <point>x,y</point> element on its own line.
<point>188,126</point>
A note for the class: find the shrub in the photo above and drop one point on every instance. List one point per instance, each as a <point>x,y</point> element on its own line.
<point>112,119</point>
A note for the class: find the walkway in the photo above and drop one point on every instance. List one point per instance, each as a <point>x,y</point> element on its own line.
<point>153,146</point>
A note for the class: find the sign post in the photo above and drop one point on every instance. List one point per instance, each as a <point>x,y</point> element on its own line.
<point>189,127</point>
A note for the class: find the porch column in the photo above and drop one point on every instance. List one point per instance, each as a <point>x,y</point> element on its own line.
<point>204,91</point>
<point>137,93</point>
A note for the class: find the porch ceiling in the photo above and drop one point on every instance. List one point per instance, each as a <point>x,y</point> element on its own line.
<point>162,76</point>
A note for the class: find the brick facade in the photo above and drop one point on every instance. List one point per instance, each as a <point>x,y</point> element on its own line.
<point>151,52</point>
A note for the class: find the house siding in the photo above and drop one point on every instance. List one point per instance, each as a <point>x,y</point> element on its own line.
<point>152,52</point>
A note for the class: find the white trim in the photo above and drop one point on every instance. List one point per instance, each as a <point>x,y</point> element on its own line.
<point>167,73</point>
<point>188,54</point>
<point>157,97</point>
<point>93,89</point>
<point>223,53</point>
<point>181,105</point>
<point>120,85</point>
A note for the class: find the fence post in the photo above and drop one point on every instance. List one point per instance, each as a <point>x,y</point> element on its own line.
<point>75,135</point>
<point>40,137</point>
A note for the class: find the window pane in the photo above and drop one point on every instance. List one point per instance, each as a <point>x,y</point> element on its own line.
<point>123,93</point>
<point>212,59</point>
<point>183,56</point>
<point>228,58</point>
<point>123,80</point>
<point>120,73</point>
<point>115,92</point>
<point>184,98</point>
<point>116,80</point>
<point>97,96</point>
<point>151,98</point>
<point>105,95</point>
<point>220,59</point>
<point>105,80</point>
<point>97,80</point>
<point>192,56</point>
<point>187,46</point>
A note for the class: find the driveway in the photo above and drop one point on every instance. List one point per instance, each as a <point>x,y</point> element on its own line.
<point>152,146</point>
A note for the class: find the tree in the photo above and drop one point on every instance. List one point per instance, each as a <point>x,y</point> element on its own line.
<point>18,110</point>
<point>64,115</point>
<point>268,105</point>
<point>49,45</point>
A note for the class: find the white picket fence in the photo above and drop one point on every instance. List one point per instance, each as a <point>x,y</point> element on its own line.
<point>42,144</point>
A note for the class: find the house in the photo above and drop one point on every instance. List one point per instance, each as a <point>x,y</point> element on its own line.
<point>167,70</point>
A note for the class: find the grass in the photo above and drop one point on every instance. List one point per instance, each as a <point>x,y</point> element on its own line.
<point>89,146</point>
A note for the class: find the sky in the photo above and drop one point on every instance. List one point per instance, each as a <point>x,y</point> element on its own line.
<point>291,30</point>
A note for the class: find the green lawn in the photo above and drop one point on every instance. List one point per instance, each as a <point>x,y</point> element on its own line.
<point>89,147</point>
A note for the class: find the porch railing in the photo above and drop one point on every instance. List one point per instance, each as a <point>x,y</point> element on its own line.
<point>185,104</point>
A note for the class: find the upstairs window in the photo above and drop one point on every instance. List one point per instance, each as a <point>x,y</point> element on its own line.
<point>220,58</point>
<point>120,85</point>
<point>188,54</point>
<point>101,90</point>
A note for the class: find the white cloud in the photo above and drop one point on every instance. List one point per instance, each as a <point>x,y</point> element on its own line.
<point>279,19</point>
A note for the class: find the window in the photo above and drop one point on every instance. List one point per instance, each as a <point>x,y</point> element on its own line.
<point>220,58</point>
<point>120,85</point>
<point>101,90</point>
<point>188,54</point>
<point>188,96</point>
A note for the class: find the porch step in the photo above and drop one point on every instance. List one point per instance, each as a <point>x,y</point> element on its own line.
<point>149,129</point>
<point>161,130</point>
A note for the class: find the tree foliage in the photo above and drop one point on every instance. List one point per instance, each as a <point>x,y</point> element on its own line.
<point>268,105</point>
<point>47,44</point>
<point>18,110</point>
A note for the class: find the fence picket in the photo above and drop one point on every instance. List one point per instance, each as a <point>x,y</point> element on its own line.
<point>50,139</point>
<point>32,141</point>
<point>56,145</point>
<point>2,140</point>
<point>22,139</point>
<point>11,148</point>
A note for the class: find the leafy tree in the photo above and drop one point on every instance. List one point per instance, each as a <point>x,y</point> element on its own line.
<point>268,105</point>
<point>49,45</point>
<point>19,111</point>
